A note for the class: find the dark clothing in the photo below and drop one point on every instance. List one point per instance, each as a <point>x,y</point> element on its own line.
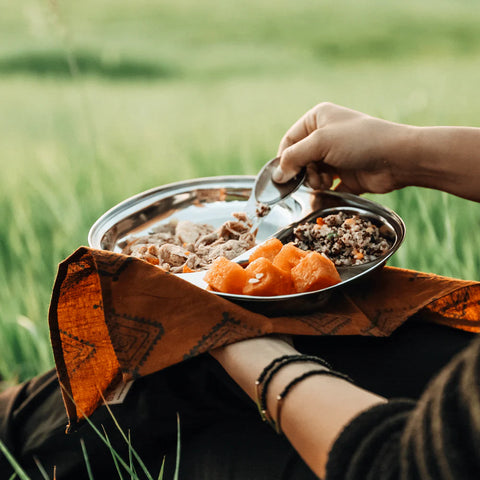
<point>222,437</point>
<point>436,438</point>
<point>216,418</point>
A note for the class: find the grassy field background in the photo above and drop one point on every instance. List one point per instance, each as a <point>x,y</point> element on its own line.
<point>102,100</point>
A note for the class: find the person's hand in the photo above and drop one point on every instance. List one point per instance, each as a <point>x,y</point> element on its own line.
<point>333,141</point>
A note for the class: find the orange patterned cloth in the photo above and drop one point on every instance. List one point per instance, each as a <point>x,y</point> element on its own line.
<point>114,317</point>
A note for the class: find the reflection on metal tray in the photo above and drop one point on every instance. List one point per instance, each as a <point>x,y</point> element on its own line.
<point>212,200</point>
<point>205,200</point>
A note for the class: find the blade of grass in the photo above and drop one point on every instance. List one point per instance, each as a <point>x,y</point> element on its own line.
<point>104,440</point>
<point>160,474</point>
<point>177,459</point>
<point>41,469</point>
<point>18,469</point>
<point>134,452</point>
<point>119,458</point>
<point>87,461</point>
<point>110,447</point>
<point>130,456</point>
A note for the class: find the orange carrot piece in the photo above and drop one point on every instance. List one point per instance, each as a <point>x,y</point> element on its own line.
<point>265,279</point>
<point>269,249</point>
<point>226,276</point>
<point>314,272</point>
<point>288,257</point>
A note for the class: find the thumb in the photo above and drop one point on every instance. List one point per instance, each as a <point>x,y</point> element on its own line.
<point>280,175</point>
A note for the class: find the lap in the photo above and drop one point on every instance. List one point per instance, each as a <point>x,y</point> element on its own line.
<point>240,449</point>
<point>222,436</point>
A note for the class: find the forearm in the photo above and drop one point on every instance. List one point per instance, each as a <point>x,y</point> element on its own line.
<point>314,412</point>
<point>442,158</point>
<point>369,154</point>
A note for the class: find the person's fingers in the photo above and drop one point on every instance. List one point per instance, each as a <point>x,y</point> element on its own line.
<point>310,149</point>
<point>303,127</point>
<point>349,184</point>
<point>317,179</point>
<point>314,178</point>
<point>341,187</point>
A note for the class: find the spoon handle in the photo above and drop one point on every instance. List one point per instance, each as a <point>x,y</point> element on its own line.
<point>252,214</point>
<point>196,278</point>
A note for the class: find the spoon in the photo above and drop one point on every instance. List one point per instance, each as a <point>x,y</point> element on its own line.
<point>196,278</point>
<point>266,192</point>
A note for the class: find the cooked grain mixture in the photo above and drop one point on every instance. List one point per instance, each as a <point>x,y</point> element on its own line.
<point>184,246</point>
<point>345,239</point>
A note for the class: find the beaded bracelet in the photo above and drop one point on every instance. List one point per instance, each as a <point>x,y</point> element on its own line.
<point>263,374</point>
<point>261,378</point>
<point>281,396</point>
<point>268,373</point>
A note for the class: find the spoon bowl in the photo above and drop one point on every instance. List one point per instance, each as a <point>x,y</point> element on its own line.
<point>268,192</point>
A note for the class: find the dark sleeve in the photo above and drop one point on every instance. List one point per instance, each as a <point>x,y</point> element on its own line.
<point>437,437</point>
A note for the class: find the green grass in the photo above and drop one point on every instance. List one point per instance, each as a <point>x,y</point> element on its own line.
<point>175,90</point>
<point>134,467</point>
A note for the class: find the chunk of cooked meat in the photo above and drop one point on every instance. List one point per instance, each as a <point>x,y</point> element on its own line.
<point>189,232</point>
<point>184,245</point>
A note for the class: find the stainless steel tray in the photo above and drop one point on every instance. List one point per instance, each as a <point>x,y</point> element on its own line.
<point>213,199</point>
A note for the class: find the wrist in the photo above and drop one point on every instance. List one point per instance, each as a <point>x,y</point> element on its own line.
<point>401,154</point>
<point>261,348</point>
<point>245,360</point>
<point>283,377</point>
<point>424,158</point>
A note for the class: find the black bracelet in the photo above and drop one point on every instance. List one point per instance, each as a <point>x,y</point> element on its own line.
<point>281,396</point>
<point>264,372</point>
<point>261,377</point>
<point>268,374</point>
